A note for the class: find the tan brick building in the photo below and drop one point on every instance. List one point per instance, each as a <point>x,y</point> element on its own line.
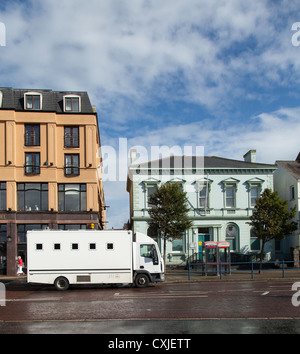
<point>50,174</point>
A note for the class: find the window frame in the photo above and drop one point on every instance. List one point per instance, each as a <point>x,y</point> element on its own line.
<point>33,168</point>
<point>72,99</point>
<point>80,188</point>
<point>74,141</point>
<point>233,197</point>
<point>73,169</point>
<point>24,188</point>
<point>3,196</point>
<point>32,137</point>
<point>235,238</point>
<point>253,202</point>
<point>32,95</point>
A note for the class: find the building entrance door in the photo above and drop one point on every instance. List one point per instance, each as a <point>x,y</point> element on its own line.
<point>201,239</point>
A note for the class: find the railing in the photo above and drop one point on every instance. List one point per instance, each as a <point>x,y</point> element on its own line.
<point>251,268</point>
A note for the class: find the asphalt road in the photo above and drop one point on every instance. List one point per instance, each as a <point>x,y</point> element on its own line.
<point>177,308</point>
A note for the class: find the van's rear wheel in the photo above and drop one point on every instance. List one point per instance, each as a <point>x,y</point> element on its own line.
<point>61,283</point>
<point>141,281</point>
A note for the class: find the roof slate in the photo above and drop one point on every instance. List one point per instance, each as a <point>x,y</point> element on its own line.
<point>293,167</point>
<point>52,100</point>
<point>198,162</point>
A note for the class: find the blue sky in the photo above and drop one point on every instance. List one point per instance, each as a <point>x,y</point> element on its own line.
<point>220,74</point>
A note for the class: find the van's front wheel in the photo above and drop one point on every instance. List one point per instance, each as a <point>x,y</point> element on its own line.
<point>61,283</point>
<point>141,281</point>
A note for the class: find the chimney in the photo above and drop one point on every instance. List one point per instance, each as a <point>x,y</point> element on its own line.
<point>250,156</point>
<point>132,156</point>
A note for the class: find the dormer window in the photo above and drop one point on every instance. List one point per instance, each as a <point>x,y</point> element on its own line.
<point>72,103</point>
<point>1,97</point>
<point>32,101</point>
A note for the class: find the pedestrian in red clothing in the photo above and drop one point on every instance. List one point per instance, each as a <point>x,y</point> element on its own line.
<point>20,266</point>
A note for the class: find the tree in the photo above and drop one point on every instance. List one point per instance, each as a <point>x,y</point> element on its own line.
<point>271,218</point>
<point>169,212</point>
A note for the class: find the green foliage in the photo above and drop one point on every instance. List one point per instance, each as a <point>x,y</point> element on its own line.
<point>271,218</point>
<point>169,212</point>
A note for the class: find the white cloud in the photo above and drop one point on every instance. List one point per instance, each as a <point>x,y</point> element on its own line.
<point>143,48</point>
<point>131,54</point>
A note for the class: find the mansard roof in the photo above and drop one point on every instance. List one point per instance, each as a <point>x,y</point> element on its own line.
<point>13,99</point>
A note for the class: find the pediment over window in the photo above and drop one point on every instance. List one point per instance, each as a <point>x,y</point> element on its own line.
<point>255,180</point>
<point>230,180</point>
<point>151,181</point>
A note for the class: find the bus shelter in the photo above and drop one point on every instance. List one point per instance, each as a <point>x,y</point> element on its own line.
<point>216,257</point>
<point>224,256</point>
<point>210,258</point>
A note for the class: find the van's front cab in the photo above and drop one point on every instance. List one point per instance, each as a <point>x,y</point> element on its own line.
<point>148,264</point>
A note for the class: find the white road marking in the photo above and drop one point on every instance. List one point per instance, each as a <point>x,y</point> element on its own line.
<point>34,300</point>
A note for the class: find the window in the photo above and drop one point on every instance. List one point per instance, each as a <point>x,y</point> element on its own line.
<point>23,228</point>
<point>72,197</point>
<point>32,135</point>
<point>33,101</point>
<point>203,198</point>
<point>230,197</point>
<point>57,246</point>
<point>2,195</point>
<point>72,103</point>
<point>150,189</point>
<point>75,246</point>
<point>145,251</point>
<point>32,163</point>
<point>254,241</point>
<point>292,192</point>
<point>254,194</point>
<point>109,246</point>
<point>71,164</point>
<point>3,237</point>
<point>32,196</point>
<point>72,227</point>
<point>177,245</point>
<point>71,137</point>
<point>232,235</point>
<point>92,246</point>
<point>39,246</point>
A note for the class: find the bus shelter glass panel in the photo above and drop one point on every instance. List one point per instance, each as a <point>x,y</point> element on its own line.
<point>224,255</point>
<point>211,258</point>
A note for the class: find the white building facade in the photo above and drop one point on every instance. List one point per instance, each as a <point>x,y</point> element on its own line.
<point>221,194</point>
<point>287,183</point>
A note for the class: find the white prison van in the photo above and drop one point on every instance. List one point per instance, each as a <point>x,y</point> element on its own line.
<point>92,257</point>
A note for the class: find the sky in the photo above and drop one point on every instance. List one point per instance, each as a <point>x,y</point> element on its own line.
<point>221,74</point>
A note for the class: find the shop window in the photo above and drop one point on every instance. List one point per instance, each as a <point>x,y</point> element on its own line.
<point>72,197</point>
<point>32,196</point>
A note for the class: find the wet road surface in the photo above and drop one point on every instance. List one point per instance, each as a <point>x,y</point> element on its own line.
<point>183,308</point>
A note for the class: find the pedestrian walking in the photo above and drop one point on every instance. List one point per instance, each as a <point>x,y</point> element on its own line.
<point>20,266</point>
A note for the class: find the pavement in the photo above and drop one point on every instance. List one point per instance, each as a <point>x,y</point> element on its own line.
<point>177,275</point>
<point>182,275</point>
